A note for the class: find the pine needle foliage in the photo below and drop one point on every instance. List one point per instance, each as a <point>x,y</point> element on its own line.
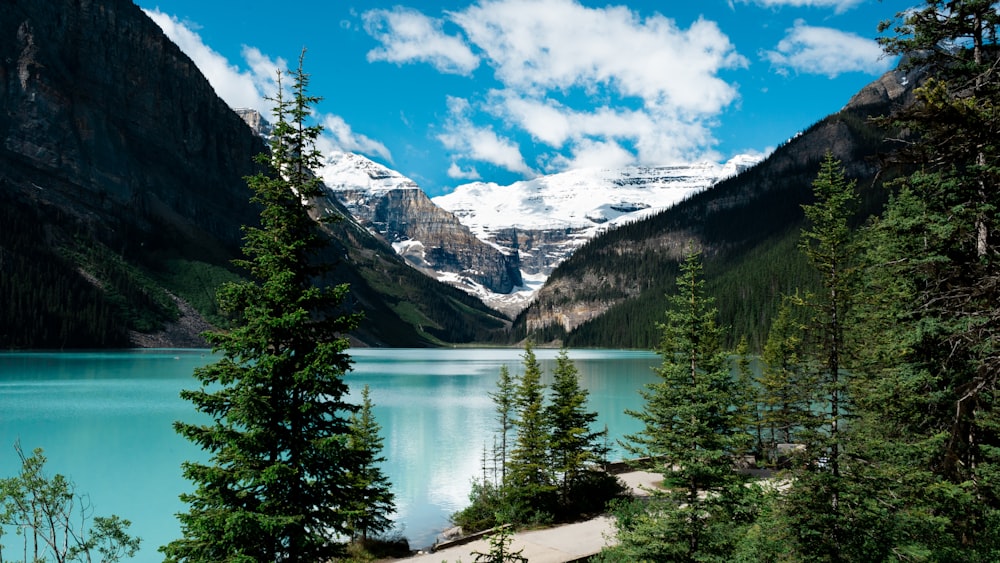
<point>689,433</point>
<point>279,475</point>
<point>372,505</point>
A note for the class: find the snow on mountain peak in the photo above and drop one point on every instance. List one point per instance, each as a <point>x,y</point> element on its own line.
<point>349,171</point>
<point>583,199</point>
<point>537,223</point>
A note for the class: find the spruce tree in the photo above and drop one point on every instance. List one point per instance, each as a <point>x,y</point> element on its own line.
<point>783,383</point>
<point>529,484</point>
<point>278,480</point>
<point>689,435</point>
<point>930,392</point>
<point>816,502</point>
<point>372,502</point>
<point>503,401</point>
<point>573,447</point>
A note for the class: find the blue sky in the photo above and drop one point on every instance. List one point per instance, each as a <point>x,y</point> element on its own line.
<point>501,90</point>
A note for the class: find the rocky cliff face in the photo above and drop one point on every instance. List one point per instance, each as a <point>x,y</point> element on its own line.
<point>104,126</point>
<point>547,219</point>
<point>426,236</point>
<point>114,145</point>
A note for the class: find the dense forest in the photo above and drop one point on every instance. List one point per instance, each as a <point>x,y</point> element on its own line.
<point>874,414</point>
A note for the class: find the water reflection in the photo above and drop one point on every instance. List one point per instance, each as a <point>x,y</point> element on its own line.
<point>104,419</point>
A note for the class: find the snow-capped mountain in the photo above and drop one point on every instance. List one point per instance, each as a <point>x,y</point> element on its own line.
<point>547,218</point>
<point>426,236</point>
<point>502,242</point>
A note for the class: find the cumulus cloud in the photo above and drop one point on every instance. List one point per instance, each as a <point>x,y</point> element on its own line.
<point>251,88</point>
<point>580,80</point>
<point>483,144</point>
<point>337,135</point>
<point>239,88</point>
<point>823,50</point>
<point>457,172</point>
<point>840,6</point>
<point>409,36</point>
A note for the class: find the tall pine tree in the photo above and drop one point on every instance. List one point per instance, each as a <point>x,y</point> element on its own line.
<point>372,503</point>
<point>574,448</point>
<point>816,502</point>
<point>279,473</point>
<point>529,485</point>
<point>931,390</point>
<point>689,435</point>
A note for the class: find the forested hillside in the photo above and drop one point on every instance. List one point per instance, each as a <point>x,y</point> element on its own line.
<point>747,227</point>
<point>122,201</point>
<point>875,405</point>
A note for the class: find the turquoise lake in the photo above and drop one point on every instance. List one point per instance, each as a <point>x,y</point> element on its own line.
<point>104,420</point>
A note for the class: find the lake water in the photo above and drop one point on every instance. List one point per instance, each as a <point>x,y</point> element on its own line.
<point>104,420</point>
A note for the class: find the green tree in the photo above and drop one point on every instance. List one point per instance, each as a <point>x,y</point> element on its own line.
<point>783,383</point>
<point>815,500</point>
<point>373,500</point>
<point>53,520</point>
<point>574,449</point>
<point>929,391</point>
<point>279,478</point>
<point>529,477</point>
<point>689,435</point>
<point>503,401</point>
<point>500,548</point>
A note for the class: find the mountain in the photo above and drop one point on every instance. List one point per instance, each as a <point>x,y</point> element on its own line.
<point>122,195</point>
<point>429,238</point>
<point>546,219</point>
<point>611,291</point>
<point>500,243</point>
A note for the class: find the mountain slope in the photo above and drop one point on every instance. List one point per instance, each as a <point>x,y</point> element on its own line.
<point>610,292</point>
<point>122,191</point>
<point>426,236</point>
<point>546,219</point>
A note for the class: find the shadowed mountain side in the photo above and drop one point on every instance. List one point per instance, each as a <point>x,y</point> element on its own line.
<point>610,293</point>
<point>122,190</point>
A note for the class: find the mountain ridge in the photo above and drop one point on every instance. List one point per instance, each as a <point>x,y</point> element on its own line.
<point>122,187</point>
<point>610,293</point>
<point>500,243</point>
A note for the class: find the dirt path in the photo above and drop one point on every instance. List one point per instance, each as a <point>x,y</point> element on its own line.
<point>569,542</point>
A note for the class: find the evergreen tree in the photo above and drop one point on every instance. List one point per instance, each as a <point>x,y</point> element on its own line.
<point>815,500</point>
<point>689,435</point>
<point>573,447</point>
<point>747,420</point>
<point>784,385</point>
<point>529,477</point>
<point>929,395</point>
<point>372,504</point>
<point>503,400</point>
<point>279,479</point>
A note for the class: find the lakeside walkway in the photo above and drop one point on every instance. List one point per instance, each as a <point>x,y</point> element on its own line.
<point>559,544</point>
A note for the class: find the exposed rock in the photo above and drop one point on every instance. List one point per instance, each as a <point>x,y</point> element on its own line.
<point>127,127</point>
<point>113,138</point>
<point>426,236</point>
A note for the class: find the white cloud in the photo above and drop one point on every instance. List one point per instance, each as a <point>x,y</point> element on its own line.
<point>457,172</point>
<point>337,135</point>
<point>238,88</point>
<point>538,47</point>
<point>251,88</point>
<point>823,50</point>
<point>410,36</point>
<point>840,6</point>
<point>656,85</point>
<point>594,154</point>
<point>480,143</point>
